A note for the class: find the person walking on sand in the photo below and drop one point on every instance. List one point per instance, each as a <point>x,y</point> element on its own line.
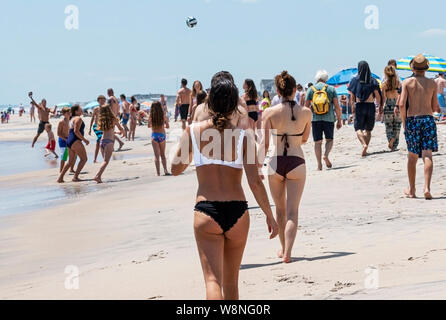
<point>441,86</point>
<point>292,126</point>
<point>250,101</point>
<point>94,125</point>
<point>75,145</point>
<point>364,91</point>
<point>44,116</point>
<point>183,100</point>
<point>114,105</point>
<point>133,118</point>
<point>392,117</point>
<point>419,124</point>
<point>323,100</point>
<point>125,115</point>
<point>107,122</point>
<point>158,122</point>
<point>221,220</point>
<point>63,130</point>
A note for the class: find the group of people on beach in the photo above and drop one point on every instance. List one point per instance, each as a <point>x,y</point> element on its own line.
<point>226,133</point>
<point>223,143</point>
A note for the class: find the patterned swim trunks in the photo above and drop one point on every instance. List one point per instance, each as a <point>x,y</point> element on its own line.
<point>98,133</point>
<point>421,134</point>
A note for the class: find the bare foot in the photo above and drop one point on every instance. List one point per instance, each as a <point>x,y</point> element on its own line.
<point>98,180</point>
<point>428,195</point>
<point>280,254</point>
<point>391,143</point>
<point>120,146</point>
<point>47,155</point>
<point>60,181</point>
<point>77,180</point>
<point>409,194</point>
<point>167,174</point>
<point>327,162</point>
<point>287,260</point>
<point>364,151</point>
<point>319,167</point>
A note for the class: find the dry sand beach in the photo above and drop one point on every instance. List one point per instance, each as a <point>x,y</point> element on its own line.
<point>132,238</point>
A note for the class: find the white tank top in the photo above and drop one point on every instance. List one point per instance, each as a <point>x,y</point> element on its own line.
<point>201,160</point>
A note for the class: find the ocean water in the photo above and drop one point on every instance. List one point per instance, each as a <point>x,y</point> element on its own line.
<point>18,157</point>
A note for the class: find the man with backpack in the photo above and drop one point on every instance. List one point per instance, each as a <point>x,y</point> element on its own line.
<point>323,100</point>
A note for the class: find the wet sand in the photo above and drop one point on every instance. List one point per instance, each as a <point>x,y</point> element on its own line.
<point>133,239</point>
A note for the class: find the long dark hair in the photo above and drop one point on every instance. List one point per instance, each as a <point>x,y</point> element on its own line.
<point>251,91</point>
<point>222,101</point>
<point>74,109</point>
<point>156,115</point>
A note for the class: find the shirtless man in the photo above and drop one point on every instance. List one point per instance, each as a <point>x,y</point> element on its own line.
<point>114,104</point>
<point>63,130</point>
<point>441,86</point>
<point>183,99</point>
<point>44,116</point>
<point>419,123</point>
<point>125,114</point>
<point>94,124</point>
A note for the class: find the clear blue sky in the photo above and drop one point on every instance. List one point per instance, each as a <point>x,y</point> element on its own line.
<point>139,46</point>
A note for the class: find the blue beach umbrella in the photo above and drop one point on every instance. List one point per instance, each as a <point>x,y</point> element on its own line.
<point>342,90</point>
<point>91,105</point>
<point>64,105</point>
<point>436,64</point>
<point>344,77</point>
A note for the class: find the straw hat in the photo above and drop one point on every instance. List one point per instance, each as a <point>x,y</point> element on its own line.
<point>420,63</point>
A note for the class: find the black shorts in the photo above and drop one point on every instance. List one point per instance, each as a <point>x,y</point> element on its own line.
<point>321,129</point>
<point>41,128</point>
<point>365,116</point>
<point>184,111</point>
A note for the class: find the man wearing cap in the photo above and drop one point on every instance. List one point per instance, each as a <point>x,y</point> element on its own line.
<point>419,123</point>
<point>441,86</point>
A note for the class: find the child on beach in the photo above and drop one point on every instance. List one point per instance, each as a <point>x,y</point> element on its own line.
<point>51,146</point>
<point>107,122</point>
<point>63,130</point>
<point>158,122</point>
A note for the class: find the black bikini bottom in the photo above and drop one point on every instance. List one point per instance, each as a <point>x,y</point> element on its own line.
<point>286,164</point>
<point>226,214</point>
<point>254,115</point>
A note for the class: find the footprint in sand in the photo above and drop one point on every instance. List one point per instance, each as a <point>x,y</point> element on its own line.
<point>156,256</point>
<point>339,286</point>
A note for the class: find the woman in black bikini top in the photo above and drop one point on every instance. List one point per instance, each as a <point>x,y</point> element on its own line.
<point>287,171</point>
<point>250,98</point>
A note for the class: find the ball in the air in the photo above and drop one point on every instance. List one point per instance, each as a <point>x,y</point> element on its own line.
<point>191,22</point>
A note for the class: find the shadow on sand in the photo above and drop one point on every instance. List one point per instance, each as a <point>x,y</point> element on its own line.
<point>333,255</point>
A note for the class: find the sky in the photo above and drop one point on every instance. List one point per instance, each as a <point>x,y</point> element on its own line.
<point>144,46</point>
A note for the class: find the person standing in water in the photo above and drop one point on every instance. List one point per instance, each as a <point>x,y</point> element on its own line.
<point>44,116</point>
<point>419,123</point>
<point>183,100</point>
<point>94,125</point>
<point>75,145</point>
<point>158,122</point>
<point>107,122</point>
<point>364,91</point>
<point>221,222</point>
<point>292,126</point>
<point>392,117</point>
<point>63,130</point>
<point>114,105</point>
<point>32,112</point>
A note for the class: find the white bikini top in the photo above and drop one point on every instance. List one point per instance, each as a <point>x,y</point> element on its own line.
<point>201,160</point>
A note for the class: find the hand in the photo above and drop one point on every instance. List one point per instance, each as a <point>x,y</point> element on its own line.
<point>89,132</point>
<point>396,111</point>
<point>273,228</point>
<point>30,94</point>
<point>86,142</point>
<point>339,124</point>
